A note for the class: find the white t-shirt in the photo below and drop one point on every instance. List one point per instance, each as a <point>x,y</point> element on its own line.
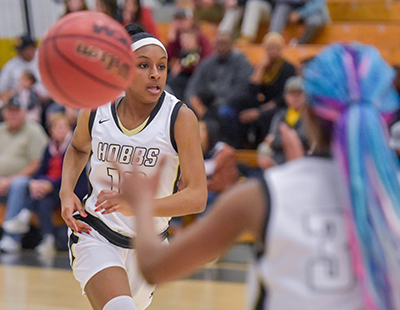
<point>10,75</point>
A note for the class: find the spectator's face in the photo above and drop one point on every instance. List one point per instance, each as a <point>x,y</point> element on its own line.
<point>131,6</point>
<point>184,23</point>
<point>26,82</point>
<point>295,99</point>
<point>28,53</point>
<point>102,7</point>
<point>14,118</point>
<point>207,3</point>
<point>75,5</point>
<point>59,130</point>
<point>274,49</point>
<point>223,45</point>
<point>188,41</point>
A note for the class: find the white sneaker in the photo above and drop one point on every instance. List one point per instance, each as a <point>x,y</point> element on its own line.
<point>47,246</point>
<point>10,245</point>
<point>19,224</point>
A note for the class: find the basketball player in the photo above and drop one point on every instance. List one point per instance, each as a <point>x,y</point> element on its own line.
<point>136,130</point>
<point>298,211</point>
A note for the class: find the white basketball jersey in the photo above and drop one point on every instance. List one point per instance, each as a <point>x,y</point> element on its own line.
<point>110,147</point>
<point>305,262</point>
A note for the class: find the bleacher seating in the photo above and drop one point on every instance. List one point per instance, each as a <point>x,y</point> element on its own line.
<point>375,22</point>
<point>364,10</point>
<point>296,54</point>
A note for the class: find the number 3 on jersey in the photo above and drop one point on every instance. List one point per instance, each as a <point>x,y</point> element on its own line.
<point>330,269</point>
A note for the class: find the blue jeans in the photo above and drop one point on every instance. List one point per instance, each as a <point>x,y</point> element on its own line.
<point>17,194</point>
<point>44,208</point>
<point>229,123</point>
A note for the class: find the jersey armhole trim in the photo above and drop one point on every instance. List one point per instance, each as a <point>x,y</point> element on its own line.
<point>174,115</point>
<point>266,191</point>
<point>91,121</point>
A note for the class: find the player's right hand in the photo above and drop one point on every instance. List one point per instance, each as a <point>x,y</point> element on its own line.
<point>70,203</point>
<point>142,194</point>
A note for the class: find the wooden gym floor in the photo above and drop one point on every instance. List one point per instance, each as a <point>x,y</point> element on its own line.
<point>27,282</point>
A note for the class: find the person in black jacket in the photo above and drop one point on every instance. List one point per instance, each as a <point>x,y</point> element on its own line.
<point>264,94</point>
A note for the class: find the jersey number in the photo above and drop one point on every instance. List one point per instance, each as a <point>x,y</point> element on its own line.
<point>116,178</point>
<point>330,270</point>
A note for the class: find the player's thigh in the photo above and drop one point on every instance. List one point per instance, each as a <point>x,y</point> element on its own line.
<point>142,292</point>
<point>99,266</point>
<point>106,285</point>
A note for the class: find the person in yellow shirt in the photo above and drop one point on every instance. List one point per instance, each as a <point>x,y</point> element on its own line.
<point>296,101</point>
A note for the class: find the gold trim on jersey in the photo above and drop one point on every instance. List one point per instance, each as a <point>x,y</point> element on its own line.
<point>132,132</point>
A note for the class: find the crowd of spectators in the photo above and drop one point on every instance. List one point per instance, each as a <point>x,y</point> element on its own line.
<point>244,104</point>
<point>212,77</point>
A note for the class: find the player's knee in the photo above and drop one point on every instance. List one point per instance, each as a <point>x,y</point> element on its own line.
<point>120,303</point>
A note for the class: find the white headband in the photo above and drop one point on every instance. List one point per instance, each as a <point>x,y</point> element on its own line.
<point>147,41</point>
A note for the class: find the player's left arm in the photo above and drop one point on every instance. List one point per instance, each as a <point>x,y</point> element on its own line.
<point>192,199</point>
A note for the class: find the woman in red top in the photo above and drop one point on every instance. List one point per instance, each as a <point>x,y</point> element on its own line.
<point>133,12</point>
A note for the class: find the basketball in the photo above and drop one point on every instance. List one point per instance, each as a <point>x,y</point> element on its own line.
<point>85,60</point>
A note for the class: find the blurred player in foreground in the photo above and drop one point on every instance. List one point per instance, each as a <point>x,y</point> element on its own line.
<point>327,229</point>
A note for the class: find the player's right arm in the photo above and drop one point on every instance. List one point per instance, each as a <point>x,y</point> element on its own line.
<point>75,160</point>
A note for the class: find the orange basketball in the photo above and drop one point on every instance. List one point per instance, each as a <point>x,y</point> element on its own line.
<point>85,60</point>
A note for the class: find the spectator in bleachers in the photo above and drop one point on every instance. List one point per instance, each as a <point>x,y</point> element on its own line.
<point>264,93</point>
<point>29,97</point>
<point>110,8</point>
<point>72,6</point>
<point>210,11</point>
<point>254,12</point>
<point>194,43</point>
<point>219,160</point>
<point>233,13</point>
<point>183,21</point>
<point>225,74</point>
<point>134,12</point>
<point>40,193</point>
<point>291,116</point>
<point>10,75</point>
<point>182,64</point>
<point>21,145</point>
<point>203,105</point>
<point>313,13</point>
